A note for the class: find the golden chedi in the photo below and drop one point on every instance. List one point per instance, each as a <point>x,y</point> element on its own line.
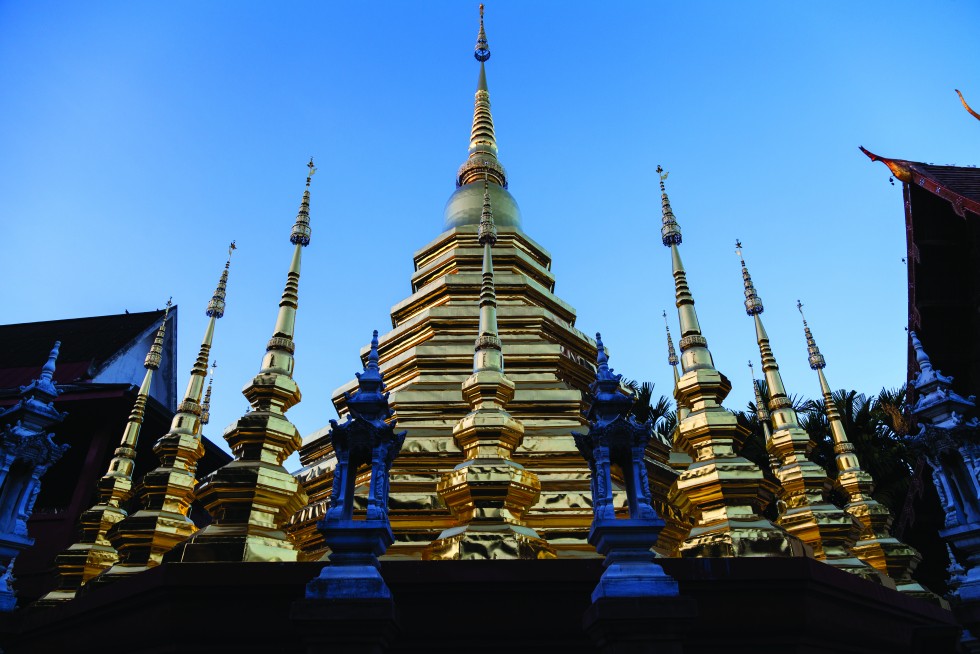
<point>804,488</point>
<point>429,353</point>
<point>252,497</point>
<point>875,546</point>
<point>93,552</point>
<point>166,492</point>
<point>727,493</point>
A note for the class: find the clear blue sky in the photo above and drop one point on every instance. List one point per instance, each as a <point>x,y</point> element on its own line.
<point>137,139</point>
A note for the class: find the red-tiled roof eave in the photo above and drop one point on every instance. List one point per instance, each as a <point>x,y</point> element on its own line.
<point>960,203</point>
<point>926,176</point>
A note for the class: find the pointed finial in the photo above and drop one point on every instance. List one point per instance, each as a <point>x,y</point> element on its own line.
<point>965,105</point>
<point>155,355</point>
<point>300,235</point>
<point>602,359</point>
<point>925,365</point>
<point>312,168</point>
<point>206,404</point>
<point>482,49</point>
<point>817,360</point>
<point>753,305</point>
<point>671,354</point>
<point>216,307</point>
<point>47,370</point>
<point>671,231</point>
<point>372,363</point>
<point>760,406</point>
<point>488,231</point>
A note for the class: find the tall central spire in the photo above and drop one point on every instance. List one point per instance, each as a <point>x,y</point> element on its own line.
<point>481,162</point>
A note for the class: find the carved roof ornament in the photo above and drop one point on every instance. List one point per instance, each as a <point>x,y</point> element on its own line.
<point>965,105</point>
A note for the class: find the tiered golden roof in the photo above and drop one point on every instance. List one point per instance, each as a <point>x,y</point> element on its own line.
<point>251,498</point>
<point>93,552</point>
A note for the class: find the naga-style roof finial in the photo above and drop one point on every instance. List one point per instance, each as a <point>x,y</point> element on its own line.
<point>817,360</point>
<point>753,304</point>
<point>482,50</point>
<point>962,99</point>
<point>671,354</point>
<point>671,231</point>
<point>216,307</point>
<point>900,169</point>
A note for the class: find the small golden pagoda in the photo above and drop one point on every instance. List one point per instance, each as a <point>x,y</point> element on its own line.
<point>251,498</point>
<point>726,492</point>
<point>165,493</point>
<point>488,493</point>
<point>875,546</point>
<point>93,552</point>
<point>804,487</point>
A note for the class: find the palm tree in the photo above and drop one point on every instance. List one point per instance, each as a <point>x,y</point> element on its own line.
<point>646,408</point>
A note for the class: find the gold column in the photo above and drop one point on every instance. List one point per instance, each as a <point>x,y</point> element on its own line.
<point>488,493</point>
<point>727,492</point>
<point>253,497</point>
<point>166,492</point>
<point>804,487</point>
<point>93,552</point>
<point>875,546</point>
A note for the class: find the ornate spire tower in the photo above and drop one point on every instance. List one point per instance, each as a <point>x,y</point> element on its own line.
<point>428,354</point>
<point>804,486</point>
<point>876,546</point>
<point>165,493</point>
<point>727,492</point>
<point>762,415</point>
<point>489,493</point>
<point>93,552</point>
<point>252,497</point>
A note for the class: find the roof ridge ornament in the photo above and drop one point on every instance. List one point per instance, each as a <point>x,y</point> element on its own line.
<point>962,99</point>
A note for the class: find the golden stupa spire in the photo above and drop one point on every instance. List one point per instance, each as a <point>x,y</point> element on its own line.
<point>253,496</point>
<point>93,552</point>
<point>727,492</point>
<point>876,546</point>
<point>206,404</point>
<point>488,493</point>
<point>166,492</point>
<point>762,415</point>
<point>965,105</point>
<point>482,160</point>
<point>804,486</point>
<point>682,410</point>
<point>488,354</point>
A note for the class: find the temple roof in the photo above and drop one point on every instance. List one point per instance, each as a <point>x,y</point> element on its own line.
<point>87,344</point>
<point>959,185</point>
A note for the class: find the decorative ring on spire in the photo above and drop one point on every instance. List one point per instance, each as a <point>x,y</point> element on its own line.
<point>482,50</point>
